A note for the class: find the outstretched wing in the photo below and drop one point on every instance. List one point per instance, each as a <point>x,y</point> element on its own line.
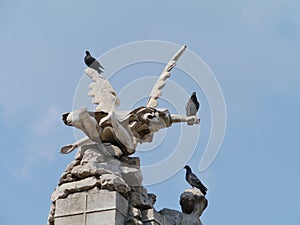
<point>104,96</point>
<point>161,82</point>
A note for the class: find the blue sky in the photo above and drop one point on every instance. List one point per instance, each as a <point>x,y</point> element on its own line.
<point>251,46</point>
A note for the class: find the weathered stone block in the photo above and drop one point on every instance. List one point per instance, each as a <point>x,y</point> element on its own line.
<point>114,183</point>
<point>72,205</point>
<point>110,217</point>
<point>132,161</point>
<point>107,200</point>
<point>132,175</point>
<point>140,198</point>
<point>65,189</point>
<point>97,207</point>
<point>150,216</point>
<point>70,220</point>
<point>151,223</point>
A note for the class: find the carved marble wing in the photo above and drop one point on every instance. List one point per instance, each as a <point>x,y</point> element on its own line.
<point>104,96</point>
<point>161,82</point>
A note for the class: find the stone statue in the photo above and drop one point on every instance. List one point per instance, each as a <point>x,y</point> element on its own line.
<point>192,203</point>
<point>103,183</point>
<point>122,129</point>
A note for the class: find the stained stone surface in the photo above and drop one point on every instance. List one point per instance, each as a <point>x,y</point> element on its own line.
<point>134,216</point>
<point>193,203</point>
<point>100,188</point>
<point>140,198</point>
<point>151,216</point>
<point>114,183</point>
<point>77,186</point>
<point>96,168</point>
<point>98,207</point>
<point>174,217</point>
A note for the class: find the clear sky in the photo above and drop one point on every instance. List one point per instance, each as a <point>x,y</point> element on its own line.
<point>251,46</point>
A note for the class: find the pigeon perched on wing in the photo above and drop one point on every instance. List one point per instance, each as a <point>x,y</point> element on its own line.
<point>91,62</point>
<point>192,106</point>
<point>193,180</point>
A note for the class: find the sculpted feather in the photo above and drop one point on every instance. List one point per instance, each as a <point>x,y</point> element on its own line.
<point>161,82</point>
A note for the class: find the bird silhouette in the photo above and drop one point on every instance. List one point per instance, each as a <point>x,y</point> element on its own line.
<point>193,180</point>
<point>91,62</point>
<point>192,106</point>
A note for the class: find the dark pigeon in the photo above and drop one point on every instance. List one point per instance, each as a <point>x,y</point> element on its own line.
<point>192,106</point>
<point>193,180</point>
<point>91,62</point>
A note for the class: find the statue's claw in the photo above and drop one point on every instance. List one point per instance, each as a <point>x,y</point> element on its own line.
<point>191,120</point>
<point>67,149</point>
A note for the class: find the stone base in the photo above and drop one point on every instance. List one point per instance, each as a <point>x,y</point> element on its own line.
<point>99,189</point>
<point>102,207</point>
<point>99,208</point>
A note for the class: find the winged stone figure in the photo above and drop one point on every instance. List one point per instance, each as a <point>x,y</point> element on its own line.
<point>122,129</point>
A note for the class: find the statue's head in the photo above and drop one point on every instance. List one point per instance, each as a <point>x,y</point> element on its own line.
<point>193,202</point>
<point>158,119</point>
<point>145,121</point>
<point>87,52</point>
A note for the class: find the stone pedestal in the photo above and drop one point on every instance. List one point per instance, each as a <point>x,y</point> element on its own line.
<point>100,207</point>
<point>192,203</point>
<point>100,188</point>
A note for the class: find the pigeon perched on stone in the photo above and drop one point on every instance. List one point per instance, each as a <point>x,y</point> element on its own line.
<point>193,180</point>
<point>192,106</point>
<point>91,62</point>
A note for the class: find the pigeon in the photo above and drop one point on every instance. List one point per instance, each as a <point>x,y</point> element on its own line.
<point>192,106</point>
<point>193,180</point>
<point>91,62</point>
